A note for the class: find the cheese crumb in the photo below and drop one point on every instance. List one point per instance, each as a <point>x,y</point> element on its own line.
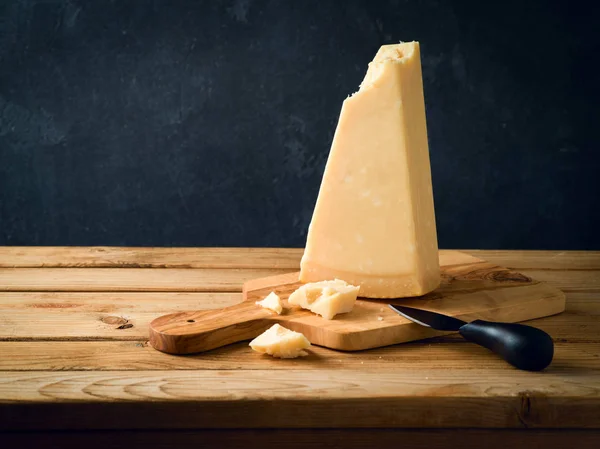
<point>326,298</point>
<point>281,342</point>
<point>271,302</point>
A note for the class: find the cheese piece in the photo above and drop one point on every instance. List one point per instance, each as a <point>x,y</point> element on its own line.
<point>281,342</point>
<point>374,221</point>
<point>327,298</point>
<point>271,302</point>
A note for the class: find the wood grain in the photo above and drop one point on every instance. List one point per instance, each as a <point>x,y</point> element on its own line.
<point>116,302</point>
<point>191,332</point>
<point>128,257</point>
<point>65,364</point>
<point>298,399</point>
<point>303,438</point>
<point>456,355</point>
<point>471,289</point>
<point>277,258</point>
<point>86,326</point>
<point>206,280</point>
<point>133,279</point>
<point>96,316</point>
<point>568,281</point>
<point>541,260</point>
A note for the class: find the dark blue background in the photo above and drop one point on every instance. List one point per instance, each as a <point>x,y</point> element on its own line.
<point>206,123</point>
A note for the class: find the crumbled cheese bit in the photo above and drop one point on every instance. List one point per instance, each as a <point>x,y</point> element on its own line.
<point>281,342</point>
<point>271,302</point>
<point>326,298</point>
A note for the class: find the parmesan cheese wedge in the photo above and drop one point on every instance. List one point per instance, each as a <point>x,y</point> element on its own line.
<point>374,222</point>
<point>281,342</point>
<point>327,298</point>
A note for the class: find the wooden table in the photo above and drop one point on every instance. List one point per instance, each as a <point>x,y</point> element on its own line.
<point>75,363</point>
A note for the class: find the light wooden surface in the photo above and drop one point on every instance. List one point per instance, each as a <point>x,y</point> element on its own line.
<point>471,289</point>
<point>70,361</point>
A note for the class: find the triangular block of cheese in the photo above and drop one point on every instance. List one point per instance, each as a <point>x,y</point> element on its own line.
<point>374,221</point>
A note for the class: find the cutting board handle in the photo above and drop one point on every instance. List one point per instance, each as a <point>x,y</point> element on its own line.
<point>190,332</point>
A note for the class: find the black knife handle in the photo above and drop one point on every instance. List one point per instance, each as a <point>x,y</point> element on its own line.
<point>524,347</point>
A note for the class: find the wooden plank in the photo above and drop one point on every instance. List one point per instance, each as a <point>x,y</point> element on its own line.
<point>86,326</point>
<point>299,399</point>
<point>95,316</point>
<point>128,257</point>
<point>303,438</point>
<point>117,302</point>
<point>141,279</point>
<point>137,355</point>
<point>277,258</point>
<point>134,279</point>
<point>155,279</point>
<point>540,260</point>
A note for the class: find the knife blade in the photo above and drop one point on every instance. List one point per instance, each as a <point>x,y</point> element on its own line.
<point>429,319</point>
<point>524,347</point>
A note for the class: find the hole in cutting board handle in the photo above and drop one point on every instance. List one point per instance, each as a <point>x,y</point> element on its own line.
<point>191,321</point>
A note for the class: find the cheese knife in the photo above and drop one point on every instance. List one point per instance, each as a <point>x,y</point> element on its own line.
<point>524,347</point>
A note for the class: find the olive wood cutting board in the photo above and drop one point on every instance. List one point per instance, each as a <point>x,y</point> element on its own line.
<point>470,289</point>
